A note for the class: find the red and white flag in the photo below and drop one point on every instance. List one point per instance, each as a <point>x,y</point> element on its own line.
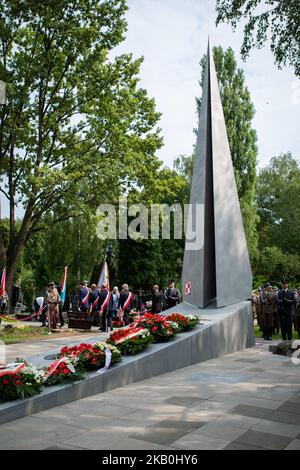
<point>104,277</point>
<point>3,282</point>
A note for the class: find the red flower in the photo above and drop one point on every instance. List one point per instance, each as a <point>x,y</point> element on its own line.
<point>154,328</point>
<point>65,371</point>
<point>5,382</point>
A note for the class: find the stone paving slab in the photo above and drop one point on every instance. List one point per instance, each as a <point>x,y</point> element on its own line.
<point>264,440</point>
<point>196,408</point>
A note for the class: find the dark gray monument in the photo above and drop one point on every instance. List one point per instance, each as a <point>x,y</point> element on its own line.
<point>220,270</point>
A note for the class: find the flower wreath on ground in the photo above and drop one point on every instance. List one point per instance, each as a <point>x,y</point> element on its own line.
<point>131,340</point>
<point>185,322</point>
<point>19,381</point>
<point>91,356</point>
<point>63,370</point>
<point>160,328</point>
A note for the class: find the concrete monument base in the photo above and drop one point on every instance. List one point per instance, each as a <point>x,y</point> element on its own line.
<point>222,331</point>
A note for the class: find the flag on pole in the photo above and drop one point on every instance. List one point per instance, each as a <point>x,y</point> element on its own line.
<point>64,285</point>
<point>3,283</point>
<point>104,276</point>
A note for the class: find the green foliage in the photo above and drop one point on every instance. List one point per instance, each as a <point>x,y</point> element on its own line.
<point>76,129</point>
<point>277,21</point>
<point>273,264</point>
<point>20,334</point>
<point>278,195</point>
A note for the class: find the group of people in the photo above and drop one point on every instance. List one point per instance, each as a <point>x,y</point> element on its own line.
<point>99,304</point>
<point>277,309</point>
<point>102,306</point>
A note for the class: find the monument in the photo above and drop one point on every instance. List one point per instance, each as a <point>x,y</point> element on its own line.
<point>216,277</point>
<point>219,271</point>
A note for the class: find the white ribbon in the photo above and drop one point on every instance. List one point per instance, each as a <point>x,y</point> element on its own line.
<point>107,362</point>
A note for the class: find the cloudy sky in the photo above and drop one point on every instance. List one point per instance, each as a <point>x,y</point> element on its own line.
<point>172,37</point>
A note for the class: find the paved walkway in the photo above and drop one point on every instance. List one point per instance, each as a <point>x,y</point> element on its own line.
<point>247,400</point>
<point>35,351</point>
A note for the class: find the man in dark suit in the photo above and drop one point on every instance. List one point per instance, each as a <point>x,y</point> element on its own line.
<point>172,295</point>
<point>286,300</point>
<point>125,303</point>
<point>94,304</point>
<point>83,299</point>
<point>104,297</point>
<point>157,300</point>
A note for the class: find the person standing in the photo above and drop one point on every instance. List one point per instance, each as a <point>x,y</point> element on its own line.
<point>94,304</point>
<point>60,311</point>
<point>276,327</point>
<point>104,297</point>
<point>83,299</point>
<point>157,300</point>
<point>40,309</point>
<point>286,300</point>
<point>113,305</point>
<point>297,312</point>
<point>258,308</point>
<point>172,295</point>
<point>52,301</point>
<point>125,303</point>
<point>267,311</point>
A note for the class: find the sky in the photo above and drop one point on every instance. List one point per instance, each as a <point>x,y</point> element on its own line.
<point>172,37</point>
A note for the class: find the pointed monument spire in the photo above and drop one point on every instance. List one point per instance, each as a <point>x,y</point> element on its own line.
<point>220,269</point>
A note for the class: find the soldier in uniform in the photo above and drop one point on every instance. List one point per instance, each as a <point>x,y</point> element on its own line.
<point>52,301</point>
<point>172,295</point>
<point>276,326</point>
<point>256,299</point>
<point>83,300</point>
<point>297,312</point>
<point>267,311</point>
<point>286,300</point>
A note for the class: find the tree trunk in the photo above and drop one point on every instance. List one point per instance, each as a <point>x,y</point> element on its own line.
<point>2,253</point>
<point>15,249</point>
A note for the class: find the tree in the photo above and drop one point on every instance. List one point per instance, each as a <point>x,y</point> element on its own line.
<point>238,112</point>
<point>278,194</point>
<point>273,264</point>
<point>274,20</point>
<point>76,128</point>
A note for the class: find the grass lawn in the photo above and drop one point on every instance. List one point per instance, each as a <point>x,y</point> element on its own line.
<point>258,334</point>
<point>19,335</point>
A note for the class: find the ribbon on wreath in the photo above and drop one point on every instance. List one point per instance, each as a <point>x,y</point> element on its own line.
<point>55,365</point>
<point>136,332</point>
<point>107,362</point>
<point>11,369</point>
